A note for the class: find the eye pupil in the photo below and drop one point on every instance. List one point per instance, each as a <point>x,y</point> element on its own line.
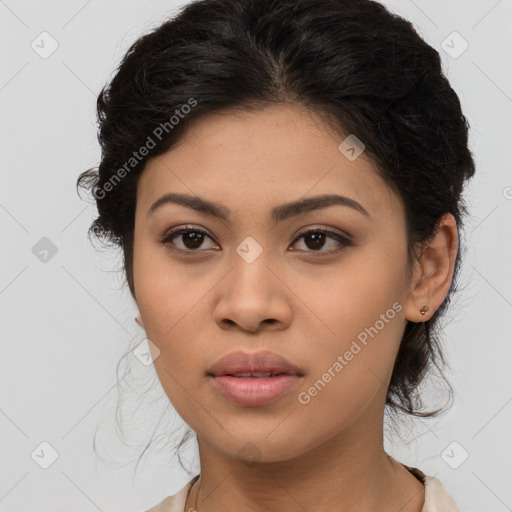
<point>318,240</point>
<point>194,237</point>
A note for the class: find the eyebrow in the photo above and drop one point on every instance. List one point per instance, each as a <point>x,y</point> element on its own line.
<point>278,213</point>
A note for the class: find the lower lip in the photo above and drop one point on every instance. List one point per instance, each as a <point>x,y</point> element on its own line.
<point>254,391</point>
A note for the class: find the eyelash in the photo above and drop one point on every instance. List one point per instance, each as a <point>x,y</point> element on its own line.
<point>344,241</point>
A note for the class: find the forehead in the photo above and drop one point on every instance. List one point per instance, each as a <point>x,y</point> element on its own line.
<point>254,159</point>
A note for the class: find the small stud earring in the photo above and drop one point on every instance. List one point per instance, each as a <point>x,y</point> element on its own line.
<point>424,309</point>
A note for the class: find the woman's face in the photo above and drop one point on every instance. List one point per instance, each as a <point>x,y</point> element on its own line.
<point>334,307</point>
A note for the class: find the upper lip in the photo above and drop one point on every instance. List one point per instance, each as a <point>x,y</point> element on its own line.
<point>253,362</point>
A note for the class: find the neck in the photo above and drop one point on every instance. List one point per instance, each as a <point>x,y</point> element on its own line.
<point>346,473</point>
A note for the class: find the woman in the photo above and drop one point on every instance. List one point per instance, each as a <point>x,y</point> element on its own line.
<point>285,181</point>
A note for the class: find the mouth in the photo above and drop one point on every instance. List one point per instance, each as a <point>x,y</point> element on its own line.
<point>253,379</point>
<point>262,364</point>
<point>253,375</point>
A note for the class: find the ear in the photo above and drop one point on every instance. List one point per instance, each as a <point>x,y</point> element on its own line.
<point>433,272</point>
<point>138,319</point>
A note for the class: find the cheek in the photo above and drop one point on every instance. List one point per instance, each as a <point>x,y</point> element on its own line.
<point>166,311</point>
<point>164,294</point>
<point>362,323</point>
<point>180,340</point>
<point>350,375</point>
<point>364,290</point>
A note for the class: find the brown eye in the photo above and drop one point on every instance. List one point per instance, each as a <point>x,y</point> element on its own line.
<point>187,239</point>
<point>316,239</point>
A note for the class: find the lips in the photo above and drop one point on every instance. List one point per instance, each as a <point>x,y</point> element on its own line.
<point>254,375</point>
<point>262,364</point>
<point>254,379</point>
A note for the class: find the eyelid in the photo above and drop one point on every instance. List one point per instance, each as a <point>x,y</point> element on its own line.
<point>324,228</point>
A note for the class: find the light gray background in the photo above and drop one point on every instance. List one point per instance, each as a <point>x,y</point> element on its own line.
<point>67,321</point>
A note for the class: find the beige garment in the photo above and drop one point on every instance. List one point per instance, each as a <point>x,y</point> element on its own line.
<point>436,497</point>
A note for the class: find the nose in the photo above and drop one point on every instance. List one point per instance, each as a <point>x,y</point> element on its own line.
<point>254,296</point>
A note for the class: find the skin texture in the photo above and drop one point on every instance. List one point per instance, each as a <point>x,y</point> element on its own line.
<point>327,454</point>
